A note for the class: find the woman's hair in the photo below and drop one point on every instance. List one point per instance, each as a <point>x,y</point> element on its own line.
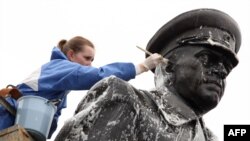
<point>76,44</point>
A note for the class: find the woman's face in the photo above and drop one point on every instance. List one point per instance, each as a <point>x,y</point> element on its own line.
<point>199,76</point>
<point>84,57</point>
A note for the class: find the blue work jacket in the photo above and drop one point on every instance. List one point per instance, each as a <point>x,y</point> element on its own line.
<point>55,79</point>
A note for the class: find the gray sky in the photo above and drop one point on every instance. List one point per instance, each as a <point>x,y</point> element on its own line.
<point>30,28</point>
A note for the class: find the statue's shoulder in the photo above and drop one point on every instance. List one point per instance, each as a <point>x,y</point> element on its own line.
<point>110,89</point>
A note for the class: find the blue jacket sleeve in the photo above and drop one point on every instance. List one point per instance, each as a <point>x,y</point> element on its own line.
<point>88,76</point>
<point>73,76</point>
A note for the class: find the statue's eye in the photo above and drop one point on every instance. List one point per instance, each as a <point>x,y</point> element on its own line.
<point>204,59</point>
<point>228,65</point>
<point>207,58</point>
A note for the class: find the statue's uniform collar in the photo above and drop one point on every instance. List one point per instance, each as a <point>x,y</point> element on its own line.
<point>173,108</point>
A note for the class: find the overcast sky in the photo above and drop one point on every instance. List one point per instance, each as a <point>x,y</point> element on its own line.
<point>30,28</point>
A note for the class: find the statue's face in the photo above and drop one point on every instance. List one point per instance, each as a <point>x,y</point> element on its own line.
<point>199,76</point>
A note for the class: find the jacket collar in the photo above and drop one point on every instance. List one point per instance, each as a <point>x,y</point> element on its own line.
<point>57,54</point>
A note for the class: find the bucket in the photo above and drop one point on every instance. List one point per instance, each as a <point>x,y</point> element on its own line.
<point>35,114</point>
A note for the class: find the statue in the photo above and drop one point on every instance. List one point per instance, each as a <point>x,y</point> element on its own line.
<point>201,45</point>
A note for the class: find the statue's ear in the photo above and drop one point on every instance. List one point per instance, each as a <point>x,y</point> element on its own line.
<point>169,67</point>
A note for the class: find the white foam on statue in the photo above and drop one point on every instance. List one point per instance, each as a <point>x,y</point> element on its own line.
<point>161,77</point>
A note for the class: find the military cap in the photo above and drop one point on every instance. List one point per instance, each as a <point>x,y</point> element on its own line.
<point>209,27</point>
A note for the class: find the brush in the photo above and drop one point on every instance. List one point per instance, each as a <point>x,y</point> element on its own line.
<point>164,60</point>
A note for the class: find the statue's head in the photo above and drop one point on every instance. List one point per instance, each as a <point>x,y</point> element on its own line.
<point>202,45</point>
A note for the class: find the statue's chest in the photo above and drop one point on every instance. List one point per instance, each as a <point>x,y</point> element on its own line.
<point>153,127</point>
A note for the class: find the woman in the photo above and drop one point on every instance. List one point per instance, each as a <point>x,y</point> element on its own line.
<point>70,69</point>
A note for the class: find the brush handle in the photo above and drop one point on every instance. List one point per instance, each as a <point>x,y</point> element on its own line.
<point>149,53</point>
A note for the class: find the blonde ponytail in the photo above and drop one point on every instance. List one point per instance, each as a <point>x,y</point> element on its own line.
<point>61,44</point>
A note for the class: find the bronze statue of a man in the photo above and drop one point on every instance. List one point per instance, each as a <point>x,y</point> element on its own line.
<point>201,45</point>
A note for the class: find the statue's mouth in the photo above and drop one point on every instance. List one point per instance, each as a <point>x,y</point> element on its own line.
<point>217,85</point>
<point>216,82</point>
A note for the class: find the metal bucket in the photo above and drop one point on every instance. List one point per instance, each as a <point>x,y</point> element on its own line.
<point>35,114</point>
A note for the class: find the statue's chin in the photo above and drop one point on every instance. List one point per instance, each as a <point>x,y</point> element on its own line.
<point>206,107</point>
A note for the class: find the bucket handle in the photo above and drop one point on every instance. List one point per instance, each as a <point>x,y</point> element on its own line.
<point>54,101</point>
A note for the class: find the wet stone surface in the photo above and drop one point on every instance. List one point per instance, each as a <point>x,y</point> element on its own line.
<point>113,110</point>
